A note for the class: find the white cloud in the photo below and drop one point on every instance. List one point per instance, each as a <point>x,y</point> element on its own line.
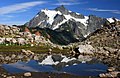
<point>13,23</point>
<point>104,10</point>
<point>19,7</point>
<point>65,3</point>
<point>69,2</point>
<point>117,12</point>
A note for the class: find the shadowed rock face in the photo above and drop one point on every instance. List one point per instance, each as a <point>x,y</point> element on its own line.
<point>95,23</point>
<point>39,20</point>
<point>73,27</point>
<point>58,18</point>
<point>77,15</point>
<point>62,9</point>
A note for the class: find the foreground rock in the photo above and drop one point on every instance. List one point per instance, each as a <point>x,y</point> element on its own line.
<point>24,55</point>
<point>28,74</point>
<point>109,56</point>
<point>111,73</point>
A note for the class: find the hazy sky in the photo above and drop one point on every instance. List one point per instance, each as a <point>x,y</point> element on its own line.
<point>21,11</point>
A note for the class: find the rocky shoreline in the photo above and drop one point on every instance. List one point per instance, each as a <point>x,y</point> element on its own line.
<point>27,55</point>
<point>108,56</point>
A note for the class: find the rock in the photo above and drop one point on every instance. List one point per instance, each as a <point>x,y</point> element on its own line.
<point>27,52</point>
<point>13,56</point>
<point>36,57</point>
<point>23,50</point>
<point>10,77</point>
<point>7,58</point>
<point>3,75</point>
<point>28,74</point>
<point>110,69</point>
<point>58,18</point>
<point>84,58</point>
<point>86,49</point>
<point>110,74</point>
<point>20,56</point>
<point>101,75</point>
<point>30,52</point>
<point>1,57</point>
<point>60,65</point>
<point>57,58</point>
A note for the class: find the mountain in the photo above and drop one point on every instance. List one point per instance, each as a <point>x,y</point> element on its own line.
<point>61,19</point>
<point>107,36</point>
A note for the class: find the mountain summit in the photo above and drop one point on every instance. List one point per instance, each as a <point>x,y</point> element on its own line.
<point>62,9</point>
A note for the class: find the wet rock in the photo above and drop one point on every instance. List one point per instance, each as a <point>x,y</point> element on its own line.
<point>60,65</point>
<point>28,74</point>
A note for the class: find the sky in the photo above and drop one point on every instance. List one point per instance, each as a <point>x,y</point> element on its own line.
<point>18,12</point>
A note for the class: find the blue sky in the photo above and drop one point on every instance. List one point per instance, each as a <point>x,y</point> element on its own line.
<point>21,11</point>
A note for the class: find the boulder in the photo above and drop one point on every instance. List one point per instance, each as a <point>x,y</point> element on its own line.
<point>110,74</point>
<point>28,74</point>
<point>85,49</point>
<point>57,58</point>
<point>110,69</point>
<point>27,52</point>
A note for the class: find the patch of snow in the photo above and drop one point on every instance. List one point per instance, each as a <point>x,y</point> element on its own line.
<point>86,35</point>
<point>65,59</point>
<point>83,21</point>
<point>117,19</point>
<point>41,22</point>
<point>70,11</point>
<point>77,13</point>
<point>51,14</point>
<point>83,61</point>
<point>57,26</point>
<point>75,64</point>
<point>48,61</point>
<point>110,20</point>
<point>36,16</point>
<point>66,65</point>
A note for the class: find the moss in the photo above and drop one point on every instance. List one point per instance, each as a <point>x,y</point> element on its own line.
<point>38,49</point>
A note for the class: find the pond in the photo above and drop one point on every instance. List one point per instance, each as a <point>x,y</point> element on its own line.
<point>66,65</point>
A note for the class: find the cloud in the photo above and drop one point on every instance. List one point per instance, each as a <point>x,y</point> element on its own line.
<point>117,12</point>
<point>69,2</point>
<point>12,23</point>
<point>19,7</point>
<point>65,3</point>
<point>104,10</point>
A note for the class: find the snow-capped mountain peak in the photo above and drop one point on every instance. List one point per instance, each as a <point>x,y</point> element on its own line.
<point>60,19</point>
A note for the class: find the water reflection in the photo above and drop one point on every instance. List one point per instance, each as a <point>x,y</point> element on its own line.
<point>81,69</point>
